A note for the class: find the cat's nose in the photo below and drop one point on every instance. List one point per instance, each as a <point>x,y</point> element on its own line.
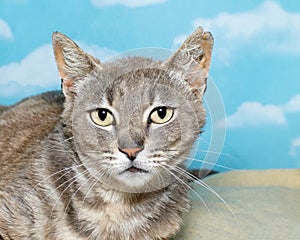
<point>131,152</point>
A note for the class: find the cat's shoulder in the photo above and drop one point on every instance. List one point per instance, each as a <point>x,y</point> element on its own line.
<point>27,105</point>
<point>25,124</point>
<point>32,110</point>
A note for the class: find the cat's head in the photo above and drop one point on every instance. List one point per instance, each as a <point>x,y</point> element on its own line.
<point>134,120</point>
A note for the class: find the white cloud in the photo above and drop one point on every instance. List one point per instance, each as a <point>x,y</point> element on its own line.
<point>277,29</point>
<point>267,17</point>
<point>255,114</point>
<point>38,71</point>
<point>38,68</point>
<point>295,146</point>
<point>293,104</point>
<point>5,31</point>
<point>268,27</point>
<point>127,3</point>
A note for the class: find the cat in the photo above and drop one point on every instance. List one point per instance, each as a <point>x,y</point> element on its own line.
<point>103,158</point>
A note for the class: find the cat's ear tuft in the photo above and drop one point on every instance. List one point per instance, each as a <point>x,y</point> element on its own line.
<point>193,59</point>
<point>72,62</point>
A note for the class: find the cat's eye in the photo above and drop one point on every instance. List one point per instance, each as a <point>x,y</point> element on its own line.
<point>102,117</point>
<point>161,115</point>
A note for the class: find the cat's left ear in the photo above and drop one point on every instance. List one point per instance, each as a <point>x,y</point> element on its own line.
<point>72,62</point>
<point>193,59</point>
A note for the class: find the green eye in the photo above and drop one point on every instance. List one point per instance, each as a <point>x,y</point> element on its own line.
<point>161,115</point>
<point>102,117</point>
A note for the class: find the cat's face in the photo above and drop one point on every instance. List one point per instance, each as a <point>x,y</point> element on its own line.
<point>134,120</point>
<point>131,132</point>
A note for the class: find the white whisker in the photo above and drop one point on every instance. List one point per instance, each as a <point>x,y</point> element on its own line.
<point>68,169</point>
<point>74,194</point>
<point>210,189</point>
<point>191,189</point>
<point>215,152</point>
<point>75,178</point>
<point>49,194</point>
<point>212,164</point>
<point>91,187</point>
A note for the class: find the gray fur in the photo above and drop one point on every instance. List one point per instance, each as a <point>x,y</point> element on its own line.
<point>63,177</point>
<point>3,108</point>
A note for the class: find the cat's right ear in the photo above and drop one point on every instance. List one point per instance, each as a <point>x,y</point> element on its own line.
<point>72,62</point>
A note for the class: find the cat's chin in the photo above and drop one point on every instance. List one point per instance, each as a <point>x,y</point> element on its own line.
<point>134,179</point>
<point>137,180</point>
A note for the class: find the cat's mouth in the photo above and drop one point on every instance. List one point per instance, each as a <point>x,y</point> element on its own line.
<point>133,169</point>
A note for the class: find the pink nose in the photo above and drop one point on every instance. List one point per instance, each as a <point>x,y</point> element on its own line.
<point>131,152</point>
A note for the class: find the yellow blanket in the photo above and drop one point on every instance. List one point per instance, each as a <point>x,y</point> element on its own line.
<point>260,205</point>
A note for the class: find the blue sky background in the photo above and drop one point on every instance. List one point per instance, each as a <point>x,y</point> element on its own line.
<point>255,61</point>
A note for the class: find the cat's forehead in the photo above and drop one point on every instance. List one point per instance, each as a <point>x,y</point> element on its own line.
<point>118,67</point>
<point>135,76</point>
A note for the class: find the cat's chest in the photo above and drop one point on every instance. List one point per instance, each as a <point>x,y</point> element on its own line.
<point>118,217</point>
<point>108,214</point>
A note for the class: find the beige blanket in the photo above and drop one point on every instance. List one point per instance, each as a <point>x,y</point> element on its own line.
<point>262,205</point>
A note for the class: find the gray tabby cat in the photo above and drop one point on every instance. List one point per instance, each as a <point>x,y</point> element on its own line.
<point>103,159</point>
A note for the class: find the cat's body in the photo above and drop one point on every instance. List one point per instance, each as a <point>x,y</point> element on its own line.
<point>68,172</point>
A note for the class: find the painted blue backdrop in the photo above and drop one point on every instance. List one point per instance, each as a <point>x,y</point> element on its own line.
<point>255,62</point>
